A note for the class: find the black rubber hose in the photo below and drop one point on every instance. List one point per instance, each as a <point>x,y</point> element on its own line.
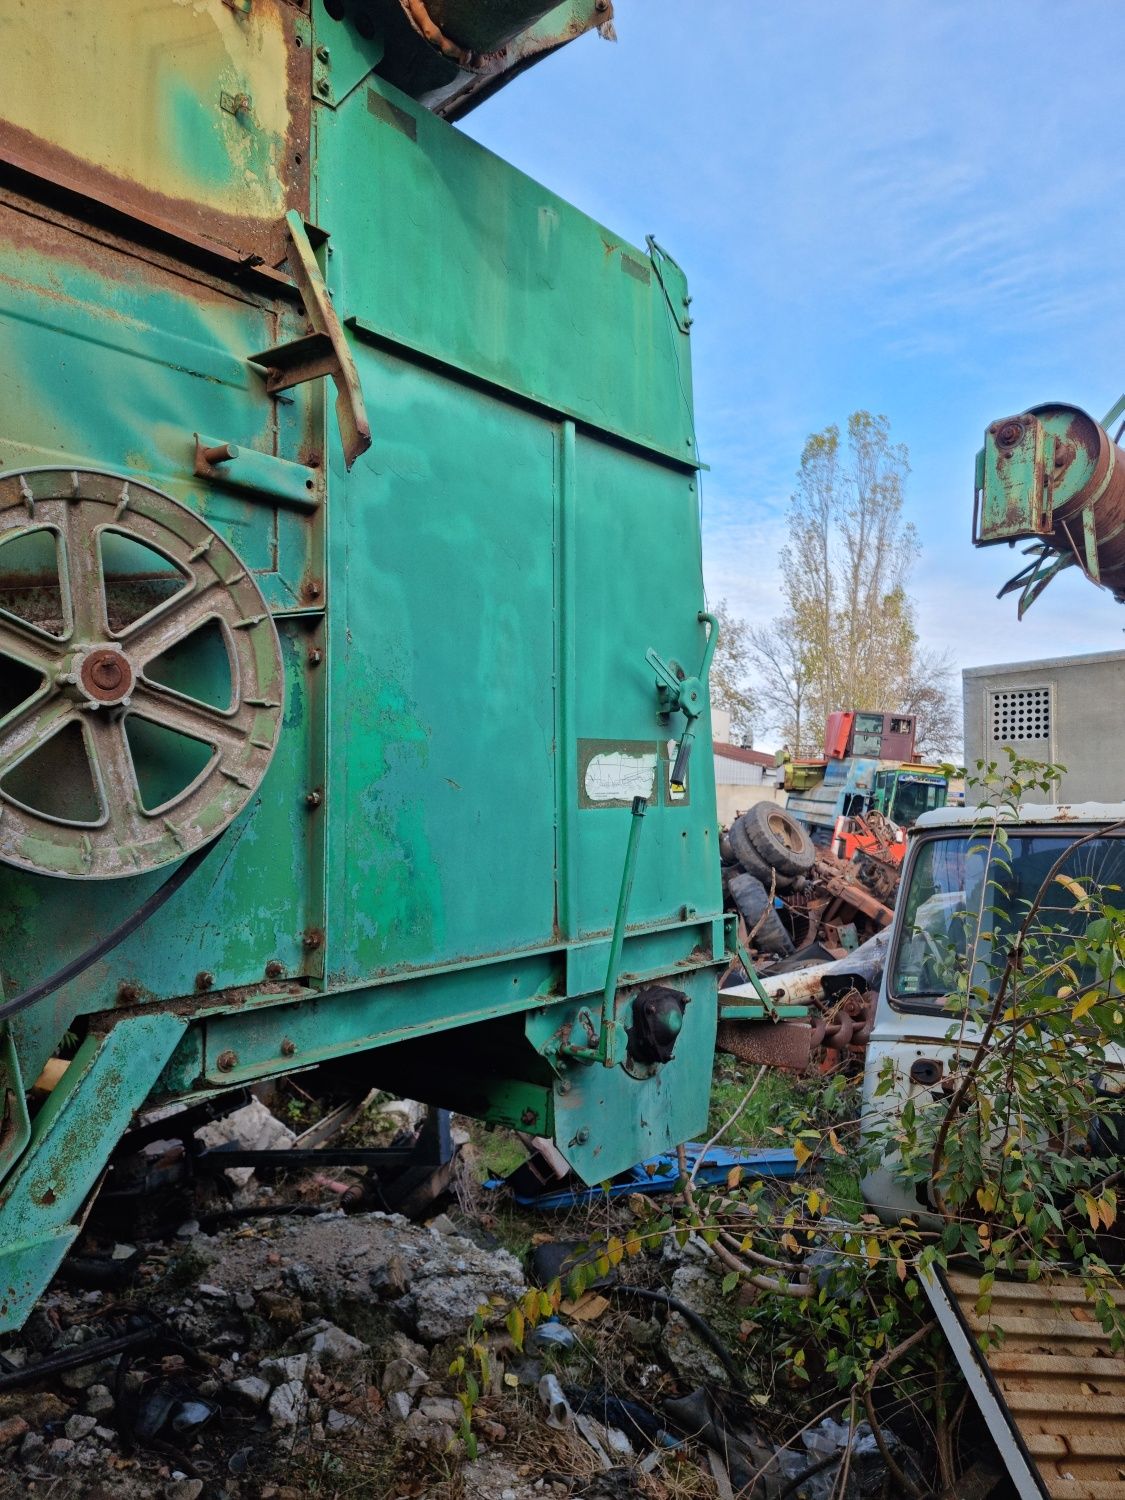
<point>98,950</point>
<point>78,1354</point>
<point>689,1315</point>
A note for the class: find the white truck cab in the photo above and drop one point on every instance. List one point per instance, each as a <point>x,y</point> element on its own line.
<point>946,865</point>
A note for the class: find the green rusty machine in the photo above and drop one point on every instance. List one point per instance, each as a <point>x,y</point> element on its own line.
<point>352,643</point>
<point>1053,477</point>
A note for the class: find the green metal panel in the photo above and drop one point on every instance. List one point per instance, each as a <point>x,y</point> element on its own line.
<point>595,1107</point>
<point>636,563</point>
<point>449,251</point>
<point>442,692</point>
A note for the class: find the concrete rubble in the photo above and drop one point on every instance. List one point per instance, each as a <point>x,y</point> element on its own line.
<point>286,1328</point>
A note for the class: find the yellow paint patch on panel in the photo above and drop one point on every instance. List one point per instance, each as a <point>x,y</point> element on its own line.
<point>184,99</point>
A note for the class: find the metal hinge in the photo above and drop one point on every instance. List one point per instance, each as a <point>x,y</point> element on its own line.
<point>322,351</point>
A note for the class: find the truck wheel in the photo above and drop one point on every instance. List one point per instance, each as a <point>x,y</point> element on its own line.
<point>776,837</point>
<point>752,862</point>
<point>752,900</point>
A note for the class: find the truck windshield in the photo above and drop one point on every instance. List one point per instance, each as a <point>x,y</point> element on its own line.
<point>947,890</point>
<point>913,797</point>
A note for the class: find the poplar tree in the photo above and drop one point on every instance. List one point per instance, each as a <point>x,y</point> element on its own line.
<point>847,638</point>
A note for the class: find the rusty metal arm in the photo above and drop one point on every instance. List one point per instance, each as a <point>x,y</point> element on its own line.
<point>322,351</point>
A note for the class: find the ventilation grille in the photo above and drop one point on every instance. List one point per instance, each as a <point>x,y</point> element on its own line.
<point>1021,714</point>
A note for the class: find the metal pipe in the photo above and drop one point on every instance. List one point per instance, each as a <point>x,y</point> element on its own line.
<point>607,1041</point>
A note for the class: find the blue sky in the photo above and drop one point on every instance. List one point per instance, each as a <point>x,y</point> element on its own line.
<point>911,208</point>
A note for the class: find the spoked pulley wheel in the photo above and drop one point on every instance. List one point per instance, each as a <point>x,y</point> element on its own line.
<point>141,679</point>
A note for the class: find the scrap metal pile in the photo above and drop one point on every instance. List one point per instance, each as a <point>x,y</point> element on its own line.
<point>809,923</point>
<point>792,895</point>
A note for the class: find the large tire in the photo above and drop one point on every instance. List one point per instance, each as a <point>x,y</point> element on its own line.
<point>753,864</point>
<point>776,837</point>
<point>752,900</point>
<point>744,851</point>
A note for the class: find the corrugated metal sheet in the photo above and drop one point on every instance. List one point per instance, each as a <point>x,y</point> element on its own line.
<point>1062,1385</point>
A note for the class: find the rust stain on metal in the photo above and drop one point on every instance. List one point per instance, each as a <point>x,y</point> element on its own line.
<point>1059,1376</point>
<point>845,1023</point>
<point>775,1044</point>
<point>106,675</point>
<point>100,143</point>
<point>207,1001</point>
<point>428,29</point>
<point>49,232</point>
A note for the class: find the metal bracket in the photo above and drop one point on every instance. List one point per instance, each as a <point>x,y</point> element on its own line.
<point>689,694</point>
<point>242,468</point>
<point>322,351</point>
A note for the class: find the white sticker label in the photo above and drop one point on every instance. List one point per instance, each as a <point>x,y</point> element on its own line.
<point>617,777</point>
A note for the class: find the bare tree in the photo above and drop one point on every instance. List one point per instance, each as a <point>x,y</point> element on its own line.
<point>731,671</point>
<point>783,682</point>
<point>932,694</point>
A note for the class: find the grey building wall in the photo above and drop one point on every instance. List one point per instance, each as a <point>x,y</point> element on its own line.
<point>1067,709</point>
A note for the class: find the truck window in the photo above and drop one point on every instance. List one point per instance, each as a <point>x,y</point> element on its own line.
<point>947,889</point>
<point>913,797</point>
<point>867,737</point>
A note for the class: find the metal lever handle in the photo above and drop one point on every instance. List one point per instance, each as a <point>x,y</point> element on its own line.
<point>603,1048</point>
<point>678,778</point>
<point>688,694</point>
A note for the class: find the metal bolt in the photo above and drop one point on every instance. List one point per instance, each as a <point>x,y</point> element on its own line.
<point>313,799</point>
<point>565,1086</point>
<point>313,938</point>
<point>288,1048</point>
<point>1009,434</point>
<point>312,588</point>
<point>204,980</point>
<point>323,54</point>
<point>226,1061</point>
<point>221,453</point>
<point>315,656</point>
<point>323,86</point>
<point>528,1117</point>
<point>275,969</point>
<point>583,1136</point>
